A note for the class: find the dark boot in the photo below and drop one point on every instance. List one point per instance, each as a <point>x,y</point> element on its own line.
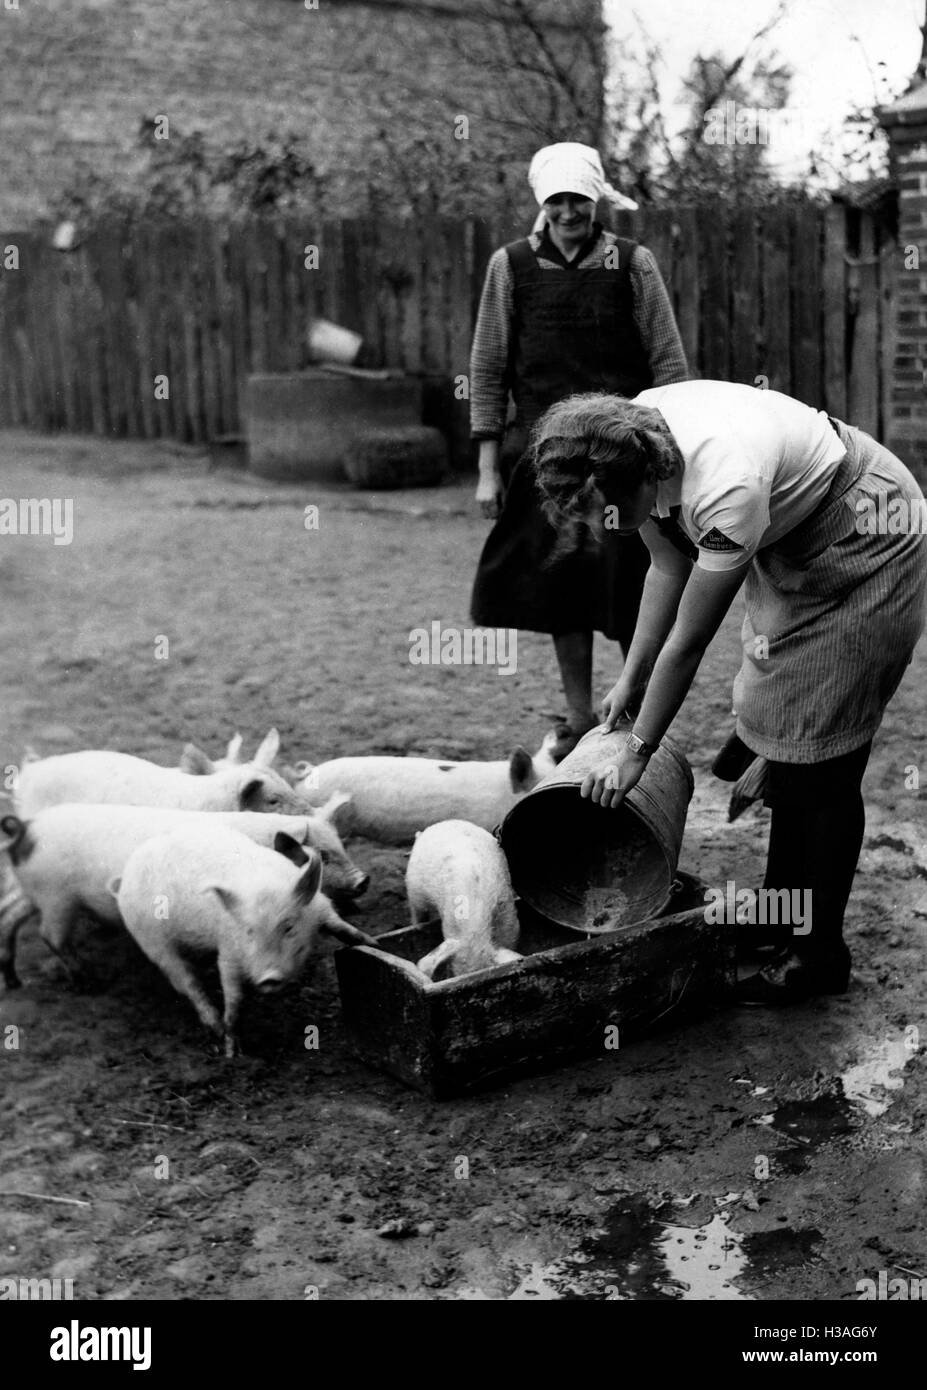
<point>815,837</point>
<point>790,977</point>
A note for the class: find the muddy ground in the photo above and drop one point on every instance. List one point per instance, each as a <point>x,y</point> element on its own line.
<point>637,1174</point>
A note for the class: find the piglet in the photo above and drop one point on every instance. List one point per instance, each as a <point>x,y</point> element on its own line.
<point>107,777</point>
<point>211,890</point>
<point>65,856</point>
<point>351,881</point>
<point>458,872</point>
<point>341,872</point>
<point>393,798</point>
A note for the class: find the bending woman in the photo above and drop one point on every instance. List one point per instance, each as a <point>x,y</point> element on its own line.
<point>730,486</point>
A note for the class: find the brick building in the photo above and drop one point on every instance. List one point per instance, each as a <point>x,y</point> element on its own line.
<point>372,90</point>
<point>906,423</point>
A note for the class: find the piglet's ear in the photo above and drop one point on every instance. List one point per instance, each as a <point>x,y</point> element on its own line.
<point>233,752</point>
<point>302,830</point>
<point>291,849</point>
<point>249,793</point>
<point>521,769</point>
<point>229,900</point>
<point>195,761</point>
<point>310,880</point>
<point>268,749</point>
<point>113,886</point>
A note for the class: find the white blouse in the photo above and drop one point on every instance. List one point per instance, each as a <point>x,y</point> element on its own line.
<point>757,463</point>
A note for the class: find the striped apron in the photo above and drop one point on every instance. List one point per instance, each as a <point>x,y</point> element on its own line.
<point>833,614</point>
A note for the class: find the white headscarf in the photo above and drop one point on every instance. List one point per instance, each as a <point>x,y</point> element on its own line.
<point>571,168</point>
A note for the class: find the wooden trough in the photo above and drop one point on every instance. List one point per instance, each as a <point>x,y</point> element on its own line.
<point>558,1003</point>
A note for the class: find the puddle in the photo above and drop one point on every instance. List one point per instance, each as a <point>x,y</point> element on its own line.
<point>815,1121</point>
<point>622,1252</point>
<point>767,1253</point>
<point>869,1086</point>
<point>808,1124</point>
<point>702,1261</point>
<point>878,1073</point>
<point>642,1253</point>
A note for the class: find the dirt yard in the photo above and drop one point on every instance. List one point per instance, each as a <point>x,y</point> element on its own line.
<point>636,1175</point>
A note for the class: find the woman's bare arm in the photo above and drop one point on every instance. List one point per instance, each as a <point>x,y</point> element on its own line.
<point>706,599</point>
<point>663,588</point>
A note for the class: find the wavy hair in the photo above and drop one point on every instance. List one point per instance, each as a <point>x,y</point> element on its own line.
<point>591,447</point>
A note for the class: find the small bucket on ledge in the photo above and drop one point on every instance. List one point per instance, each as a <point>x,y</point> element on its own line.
<point>329,342</point>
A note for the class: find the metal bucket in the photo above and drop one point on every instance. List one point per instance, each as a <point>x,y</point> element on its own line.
<point>595,869</point>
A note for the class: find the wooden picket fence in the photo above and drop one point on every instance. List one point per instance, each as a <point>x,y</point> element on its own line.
<point>797,295</point>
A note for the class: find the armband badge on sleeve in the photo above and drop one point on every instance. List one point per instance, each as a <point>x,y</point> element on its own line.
<point>717,540</point>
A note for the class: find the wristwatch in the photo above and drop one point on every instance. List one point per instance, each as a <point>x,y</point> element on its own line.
<point>638,746</point>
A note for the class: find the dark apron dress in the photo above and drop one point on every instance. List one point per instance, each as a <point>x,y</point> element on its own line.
<point>573,331</point>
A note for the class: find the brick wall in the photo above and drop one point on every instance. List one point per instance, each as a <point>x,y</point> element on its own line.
<point>906,423</point>
<point>368,87</point>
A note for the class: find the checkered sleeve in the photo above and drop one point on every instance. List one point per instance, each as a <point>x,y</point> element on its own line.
<point>489,356</point>
<point>656,323</point>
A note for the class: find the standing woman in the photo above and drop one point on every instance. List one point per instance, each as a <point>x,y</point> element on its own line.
<point>768,493</point>
<point>570,308</point>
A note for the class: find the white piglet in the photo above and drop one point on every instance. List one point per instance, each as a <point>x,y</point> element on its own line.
<point>458,872</point>
<point>214,892</point>
<point>65,856</point>
<point>106,777</point>
<point>393,798</point>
